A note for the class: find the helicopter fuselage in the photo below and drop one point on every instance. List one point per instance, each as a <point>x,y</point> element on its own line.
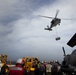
<point>55,21</point>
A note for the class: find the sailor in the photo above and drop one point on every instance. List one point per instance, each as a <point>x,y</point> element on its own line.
<point>48,68</point>
<point>18,69</point>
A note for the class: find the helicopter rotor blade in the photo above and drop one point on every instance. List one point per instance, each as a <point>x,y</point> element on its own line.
<point>46,16</point>
<point>56,13</point>
<point>68,18</point>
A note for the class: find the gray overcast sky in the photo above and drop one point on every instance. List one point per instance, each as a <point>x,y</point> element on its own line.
<point>22,31</point>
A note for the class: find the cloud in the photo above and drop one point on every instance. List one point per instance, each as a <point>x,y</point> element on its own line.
<point>22,31</point>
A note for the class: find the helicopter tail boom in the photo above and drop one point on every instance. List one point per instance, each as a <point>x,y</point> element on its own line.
<point>48,29</point>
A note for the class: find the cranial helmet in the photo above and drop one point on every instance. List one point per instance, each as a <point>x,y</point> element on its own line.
<point>20,61</point>
<point>56,61</point>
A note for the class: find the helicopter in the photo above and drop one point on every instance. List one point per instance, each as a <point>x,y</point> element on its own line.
<point>68,65</point>
<point>55,21</point>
